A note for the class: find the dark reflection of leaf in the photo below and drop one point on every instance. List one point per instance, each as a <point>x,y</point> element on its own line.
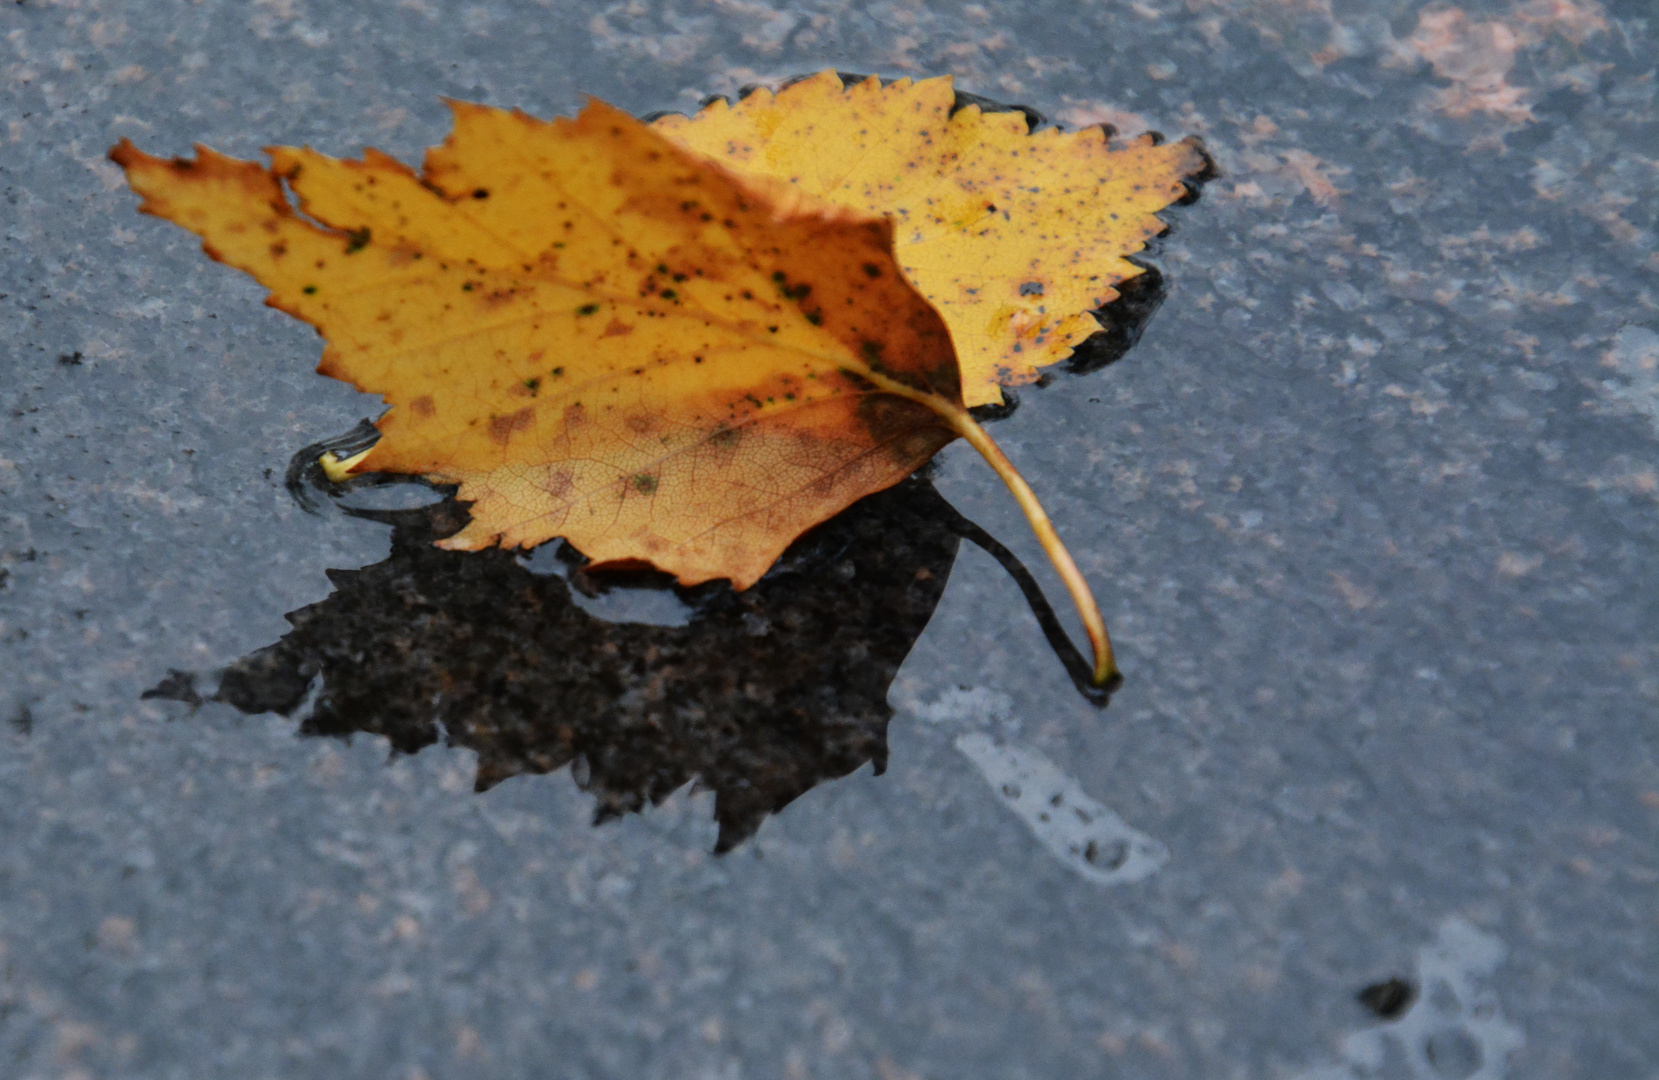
<point>1121,321</point>
<point>763,694</point>
<point>177,686</point>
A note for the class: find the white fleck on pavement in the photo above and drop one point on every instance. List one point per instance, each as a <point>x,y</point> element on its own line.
<point>1453,1031</point>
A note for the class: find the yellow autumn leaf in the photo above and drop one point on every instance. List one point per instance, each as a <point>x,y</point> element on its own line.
<point>1013,236</point>
<point>600,336</point>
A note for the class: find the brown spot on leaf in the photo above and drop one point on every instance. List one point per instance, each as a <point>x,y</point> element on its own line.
<point>502,428</point>
<point>558,483</point>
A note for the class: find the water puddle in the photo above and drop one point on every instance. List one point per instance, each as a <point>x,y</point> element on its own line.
<point>637,685</point>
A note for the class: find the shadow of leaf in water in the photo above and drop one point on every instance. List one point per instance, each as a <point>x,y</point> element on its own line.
<point>761,695</point>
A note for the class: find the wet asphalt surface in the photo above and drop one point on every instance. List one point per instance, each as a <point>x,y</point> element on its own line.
<point>1371,507</point>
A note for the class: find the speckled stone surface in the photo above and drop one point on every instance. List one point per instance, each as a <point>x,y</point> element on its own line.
<point>1372,508</point>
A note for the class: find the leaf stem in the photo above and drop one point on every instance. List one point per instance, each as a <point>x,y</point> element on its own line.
<point>963,423</point>
<point>1105,666</point>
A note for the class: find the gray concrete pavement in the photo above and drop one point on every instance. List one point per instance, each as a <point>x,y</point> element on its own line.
<point>1371,507</point>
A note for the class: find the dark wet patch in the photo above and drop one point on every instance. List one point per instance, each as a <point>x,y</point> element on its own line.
<point>1389,998</point>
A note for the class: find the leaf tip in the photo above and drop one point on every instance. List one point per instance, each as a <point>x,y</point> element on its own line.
<point>124,153</point>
